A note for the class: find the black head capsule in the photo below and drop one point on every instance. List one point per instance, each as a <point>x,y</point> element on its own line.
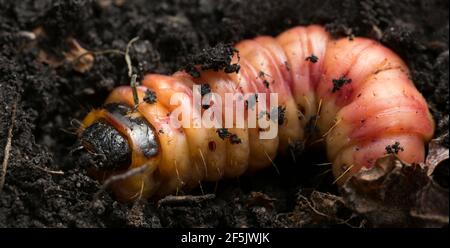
<point>106,146</point>
<point>109,149</point>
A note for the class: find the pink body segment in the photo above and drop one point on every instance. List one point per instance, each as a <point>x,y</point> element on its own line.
<point>357,93</point>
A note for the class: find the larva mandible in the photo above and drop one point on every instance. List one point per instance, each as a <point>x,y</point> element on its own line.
<point>361,91</point>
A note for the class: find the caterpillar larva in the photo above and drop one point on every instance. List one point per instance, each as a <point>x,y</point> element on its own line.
<point>355,91</point>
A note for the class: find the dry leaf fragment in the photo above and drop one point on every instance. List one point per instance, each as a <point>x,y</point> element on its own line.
<point>397,194</point>
<point>437,154</point>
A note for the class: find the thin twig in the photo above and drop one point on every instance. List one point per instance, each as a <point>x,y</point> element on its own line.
<point>58,172</point>
<point>132,76</point>
<point>338,221</point>
<point>8,147</point>
<point>134,90</point>
<point>127,56</point>
<point>176,200</point>
<point>314,209</point>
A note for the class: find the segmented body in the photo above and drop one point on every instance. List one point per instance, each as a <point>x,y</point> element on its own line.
<point>356,92</point>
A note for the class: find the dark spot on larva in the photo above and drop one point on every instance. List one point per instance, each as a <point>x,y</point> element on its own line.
<point>223,133</point>
<point>205,89</point>
<point>161,131</point>
<point>312,58</point>
<point>359,95</point>
<point>150,96</point>
<point>212,146</point>
<point>261,74</point>
<point>281,115</point>
<point>286,64</point>
<point>251,101</point>
<point>232,68</point>
<point>234,139</point>
<point>338,83</point>
<point>363,120</point>
<point>394,149</point>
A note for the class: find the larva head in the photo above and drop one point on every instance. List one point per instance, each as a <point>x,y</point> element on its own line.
<point>118,140</point>
<point>110,148</point>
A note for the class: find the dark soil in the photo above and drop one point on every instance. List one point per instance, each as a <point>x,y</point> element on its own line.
<point>45,188</point>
